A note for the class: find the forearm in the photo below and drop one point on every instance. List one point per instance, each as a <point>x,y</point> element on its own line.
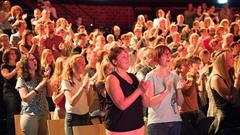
<point>180,98</point>
<point>75,98</point>
<point>32,48</point>
<point>127,101</point>
<point>158,98</point>
<point>57,98</point>
<point>9,75</point>
<point>29,96</point>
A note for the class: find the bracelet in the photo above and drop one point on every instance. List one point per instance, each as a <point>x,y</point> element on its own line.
<point>36,91</point>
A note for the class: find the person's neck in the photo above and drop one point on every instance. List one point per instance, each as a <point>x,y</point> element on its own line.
<point>121,72</point>
<point>12,62</point>
<point>20,32</point>
<point>163,70</point>
<point>92,64</point>
<point>77,76</point>
<point>32,73</point>
<point>50,35</point>
<point>29,43</point>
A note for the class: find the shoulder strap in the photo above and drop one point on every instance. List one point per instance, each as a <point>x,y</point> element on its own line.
<point>218,76</point>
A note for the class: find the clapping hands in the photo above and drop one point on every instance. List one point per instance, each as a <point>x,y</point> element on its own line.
<point>144,85</point>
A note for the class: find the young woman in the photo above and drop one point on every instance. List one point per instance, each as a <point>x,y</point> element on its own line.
<point>26,44</point>
<point>105,68</point>
<point>165,95</point>
<point>11,98</point>
<point>20,26</point>
<point>74,86</point>
<point>225,94</point>
<point>32,88</point>
<point>47,65</point>
<point>57,95</point>
<point>124,111</point>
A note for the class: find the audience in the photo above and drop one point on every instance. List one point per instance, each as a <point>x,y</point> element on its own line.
<point>194,61</point>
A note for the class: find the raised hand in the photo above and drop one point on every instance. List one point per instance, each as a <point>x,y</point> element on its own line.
<point>181,84</point>
<point>144,85</point>
<point>85,81</point>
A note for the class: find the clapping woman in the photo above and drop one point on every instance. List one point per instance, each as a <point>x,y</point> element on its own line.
<point>124,109</point>
<point>32,88</point>
<point>75,88</point>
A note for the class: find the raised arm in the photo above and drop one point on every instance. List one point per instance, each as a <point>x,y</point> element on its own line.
<point>8,75</point>
<point>27,95</point>
<point>72,98</point>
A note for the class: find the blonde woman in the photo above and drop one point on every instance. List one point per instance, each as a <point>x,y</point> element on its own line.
<point>105,69</point>
<point>74,86</point>
<point>47,65</point>
<point>225,94</point>
<point>57,95</point>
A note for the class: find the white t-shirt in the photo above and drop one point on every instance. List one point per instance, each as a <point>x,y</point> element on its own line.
<point>167,110</point>
<point>81,107</point>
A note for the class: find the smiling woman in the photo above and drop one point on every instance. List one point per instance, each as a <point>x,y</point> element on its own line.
<point>165,95</point>
<point>32,88</point>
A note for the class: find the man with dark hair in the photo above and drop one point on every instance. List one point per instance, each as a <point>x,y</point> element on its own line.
<point>80,43</point>
<point>53,41</point>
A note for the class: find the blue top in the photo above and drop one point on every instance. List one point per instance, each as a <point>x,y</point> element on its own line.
<point>38,105</point>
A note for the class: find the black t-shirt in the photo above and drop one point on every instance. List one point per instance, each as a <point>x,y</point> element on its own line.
<point>9,85</point>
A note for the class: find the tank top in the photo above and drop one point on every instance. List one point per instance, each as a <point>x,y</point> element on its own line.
<point>130,119</point>
<point>227,115</point>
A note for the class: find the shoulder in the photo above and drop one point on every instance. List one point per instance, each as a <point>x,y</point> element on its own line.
<point>20,83</point>
<point>151,75</point>
<point>4,66</point>
<point>173,73</point>
<point>216,79</point>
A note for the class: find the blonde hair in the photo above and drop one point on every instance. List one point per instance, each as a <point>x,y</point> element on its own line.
<point>56,77</point>
<point>44,57</point>
<point>219,67</point>
<point>192,36</point>
<point>14,8</point>
<point>70,66</point>
<point>101,73</point>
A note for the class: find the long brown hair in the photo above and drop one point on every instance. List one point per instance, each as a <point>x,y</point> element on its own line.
<point>23,69</point>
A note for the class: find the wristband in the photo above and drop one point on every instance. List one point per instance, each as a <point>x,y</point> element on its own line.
<point>36,91</point>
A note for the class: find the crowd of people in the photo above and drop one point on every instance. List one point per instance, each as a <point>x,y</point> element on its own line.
<point>170,75</point>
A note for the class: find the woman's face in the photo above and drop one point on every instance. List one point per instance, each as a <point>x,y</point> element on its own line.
<point>29,37</point>
<point>194,40</point>
<point>108,69</point>
<point>12,55</point>
<point>236,27</point>
<point>185,67</point>
<point>50,58</point>
<point>32,62</point>
<point>23,26</point>
<point>165,59</point>
<point>80,66</point>
<point>122,60</point>
<point>17,11</point>
<point>196,65</point>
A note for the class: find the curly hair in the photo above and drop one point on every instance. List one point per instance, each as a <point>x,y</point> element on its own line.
<point>23,69</point>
